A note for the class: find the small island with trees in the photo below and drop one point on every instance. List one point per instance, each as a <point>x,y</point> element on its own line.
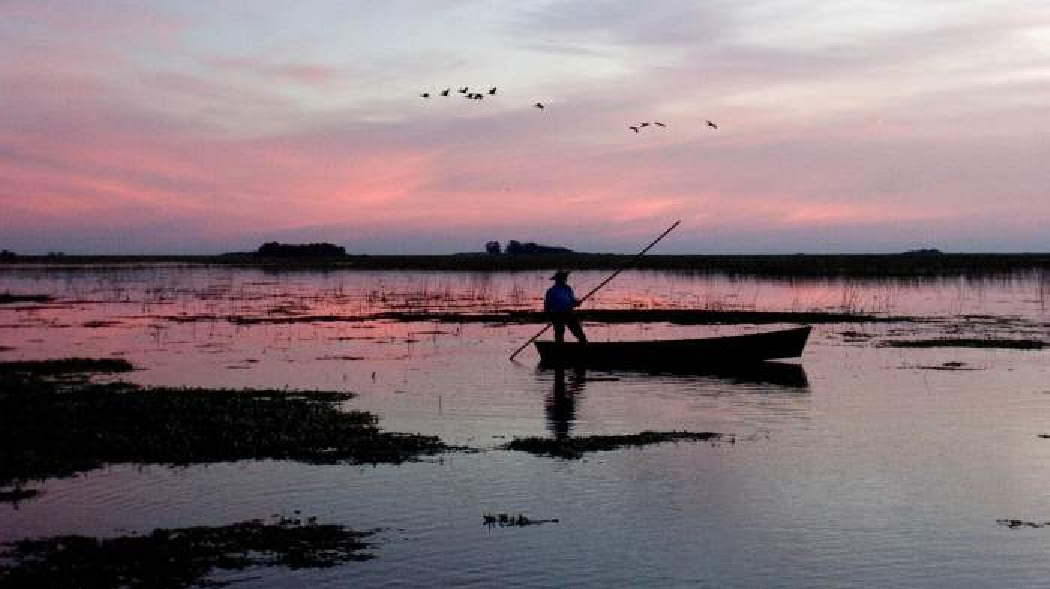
<point>515,247</point>
<point>273,249</point>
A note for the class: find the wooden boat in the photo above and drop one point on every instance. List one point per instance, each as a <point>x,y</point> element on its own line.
<point>724,350</point>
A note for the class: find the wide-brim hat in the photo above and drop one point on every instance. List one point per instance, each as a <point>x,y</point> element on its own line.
<point>560,274</point>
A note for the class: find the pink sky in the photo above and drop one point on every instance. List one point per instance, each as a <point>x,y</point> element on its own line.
<point>179,127</point>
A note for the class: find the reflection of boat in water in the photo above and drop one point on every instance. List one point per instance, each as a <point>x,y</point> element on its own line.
<point>560,405</point>
<point>773,373</point>
<point>731,350</point>
<point>778,374</point>
<point>768,378</point>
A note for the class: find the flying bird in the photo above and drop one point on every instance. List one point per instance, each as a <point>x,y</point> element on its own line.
<point>659,124</point>
<point>492,90</point>
<point>425,95</point>
<point>539,105</point>
<point>633,128</point>
<point>712,125</point>
<point>463,90</point>
<point>445,91</point>
<point>643,124</point>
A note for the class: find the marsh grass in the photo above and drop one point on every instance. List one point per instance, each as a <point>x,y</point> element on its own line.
<point>178,558</point>
<point>673,316</point>
<point>609,316</point>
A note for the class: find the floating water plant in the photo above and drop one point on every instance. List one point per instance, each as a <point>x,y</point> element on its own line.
<point>576,447</point>
<point>65,366</point>
<point>7,298</point>
<point>1014,524</point>
<point>176,558</point>
<point>947,366</point>
<point>48,430</point>
<point>945,342</point>
<point>505,520</point>
<point>610,316</point>
<point>18,494</point>
<point>613,316</point>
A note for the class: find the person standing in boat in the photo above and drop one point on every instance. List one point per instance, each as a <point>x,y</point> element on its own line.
<point>559,303</point>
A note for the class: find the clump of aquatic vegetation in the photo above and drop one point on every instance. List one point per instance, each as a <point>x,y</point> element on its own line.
<point>7,298</point>
<point>50,429</point>
<point>18,494</point>
<point>177,558</point>
<point>947,342</point>
<point>1014,524</point>
<point>610,316</point>
<point>65,366</point>
<point>576,446</point>
<point>953,365</point>
<point>506,520</point>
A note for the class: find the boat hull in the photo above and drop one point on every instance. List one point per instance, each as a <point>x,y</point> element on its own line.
<point>724,350</point>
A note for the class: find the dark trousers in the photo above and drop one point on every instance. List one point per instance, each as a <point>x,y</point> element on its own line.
<point>563,320</point>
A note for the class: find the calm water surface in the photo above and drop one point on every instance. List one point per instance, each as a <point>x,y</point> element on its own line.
<point>858,466</point>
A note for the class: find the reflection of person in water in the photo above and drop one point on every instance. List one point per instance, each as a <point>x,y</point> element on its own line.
<point>561,404</point>
<point>559,303</point>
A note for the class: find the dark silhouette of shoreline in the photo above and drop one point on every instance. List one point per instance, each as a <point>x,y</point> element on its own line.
<point>774,266</point>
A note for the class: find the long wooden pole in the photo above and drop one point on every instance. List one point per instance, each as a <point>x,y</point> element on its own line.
<point>603,283</point>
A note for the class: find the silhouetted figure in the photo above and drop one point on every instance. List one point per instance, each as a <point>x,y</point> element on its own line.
<point>463,90</point>
<point>643,124</point>
<point>712,125</point>
<point>445,91</point>
<point>539,105</point>
<point>425,95</point>
<point>492,90</point>
<point>659,124</point>
<point>559,303</point>
<point>561,404</point>
<point>633,128</point>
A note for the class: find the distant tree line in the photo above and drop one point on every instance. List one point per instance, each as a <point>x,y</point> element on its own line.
<point>516,247</point>
<point>6,254</point>
<point>274,249</point>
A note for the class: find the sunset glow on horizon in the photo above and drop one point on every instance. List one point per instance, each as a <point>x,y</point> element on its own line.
<point>156,126</point>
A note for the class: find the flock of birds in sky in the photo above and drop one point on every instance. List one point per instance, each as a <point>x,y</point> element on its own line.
<point>465,91</point>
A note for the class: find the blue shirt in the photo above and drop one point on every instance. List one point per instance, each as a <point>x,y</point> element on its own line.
<point>559,299</point>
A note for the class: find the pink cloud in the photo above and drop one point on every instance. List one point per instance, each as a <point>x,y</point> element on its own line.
<point>99,139</point>
<point>298,72</point>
